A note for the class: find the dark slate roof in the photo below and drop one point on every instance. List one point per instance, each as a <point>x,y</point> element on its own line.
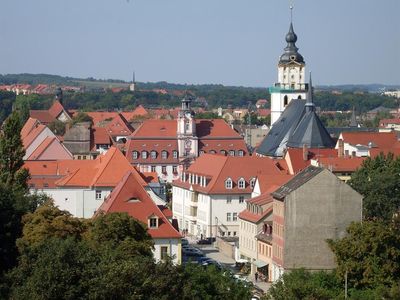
<point>296,182</point>
<point>311,132</point>
<point>274,143</point>
<point>291,53</point>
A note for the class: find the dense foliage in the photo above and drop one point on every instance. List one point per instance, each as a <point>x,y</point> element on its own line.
<point>378,180</point>
<point>6,103</point>
<point>108,257</point>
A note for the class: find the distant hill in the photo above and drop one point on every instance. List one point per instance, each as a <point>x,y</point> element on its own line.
<point>370,88</point>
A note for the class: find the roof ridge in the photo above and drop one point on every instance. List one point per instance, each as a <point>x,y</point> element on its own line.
<point>101,169</point>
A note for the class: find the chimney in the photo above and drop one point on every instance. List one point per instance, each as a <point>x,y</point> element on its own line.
<point>305,152</point>
<point>340,148</point>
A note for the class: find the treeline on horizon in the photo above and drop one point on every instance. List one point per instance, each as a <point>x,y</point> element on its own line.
<point>215,95</point>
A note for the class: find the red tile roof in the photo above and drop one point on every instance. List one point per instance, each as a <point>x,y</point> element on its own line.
<point>380,139</point>
<point>101,136</point>
<point>119,126</point>
<point>156,129</point>
<point>56,109</point>
<point>294,157</point>
<point>29,125</point>
<point>60,152</point>
<point>42,115</point>
<point>32,135</point>
<point>385,122</point>
<point>219,168</point>
<point>341,164</point>
<point>168,145</point>
<point>130,196</point>
<point>263,112</point>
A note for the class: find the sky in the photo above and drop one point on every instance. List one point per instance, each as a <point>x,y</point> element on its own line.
<point>230,42</point>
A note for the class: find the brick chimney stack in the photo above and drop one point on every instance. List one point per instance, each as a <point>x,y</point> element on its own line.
<point>305,152</point>
<point>340,148</point>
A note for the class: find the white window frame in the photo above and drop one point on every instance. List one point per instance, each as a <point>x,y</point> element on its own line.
<point>144,154</point>
<point>252,182</point>
<point>234,217</point>
<point>242,183</point>
<point>98,195</point>
<point>241,199</point>
<point>231,152</point>
<point>175,154</point>
<point>164,154</point>
<point>241,153</point>
<point>135,155</point>
<point>153,219</point>
<point>153,154</point>
<point>228,184</point>
<point>229,217</point>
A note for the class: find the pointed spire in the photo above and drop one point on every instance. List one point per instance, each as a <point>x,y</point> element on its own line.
<point>310,102</point>
<point>133,77</point>
<point>353,120</point>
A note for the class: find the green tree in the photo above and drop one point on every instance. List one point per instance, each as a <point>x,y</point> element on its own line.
<point>378,180</point>
<point>302,285</point>
<point>370,254</point>
<point>81,117</point>
<point>46,222</point>
<point>12,152</point>
<point>57,126</point>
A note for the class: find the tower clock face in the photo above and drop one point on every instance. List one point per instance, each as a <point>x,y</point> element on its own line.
<point>188,115</point>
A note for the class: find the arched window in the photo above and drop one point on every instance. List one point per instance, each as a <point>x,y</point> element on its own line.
<point>241,153</point>
<point>223,152</point>
<point>232,152</point>
<point>164,154</point>
<point>285,100</point>
<point>228,183</point>
<point>153,154</point>
<point>175,154</point>
<point>212,152</point>
<point>135,155</point>
<point>299,97</point>
<point>144,154</point>
<point>241,183</point>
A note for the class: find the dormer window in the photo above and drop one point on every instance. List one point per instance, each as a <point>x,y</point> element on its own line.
<point>223,152</point>
<point>135,155</point>
<point>232,152</point>
<point>164,154</point>
<point>144,154</point>
<point>241,153</point>
<point>212,152</point>
<point>153,221</point>
<point>153,154</point>
<point>228,183</point>
<point>175,154</point>
<point>241,183</point>
<point>252,182</point>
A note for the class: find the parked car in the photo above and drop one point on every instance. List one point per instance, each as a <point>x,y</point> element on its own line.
<point>184,242</point>
<point>212,262</point>
<point>189,251</point>
<point>207,241</point>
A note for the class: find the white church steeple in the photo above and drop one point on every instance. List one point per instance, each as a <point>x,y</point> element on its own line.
<point>291,77</point>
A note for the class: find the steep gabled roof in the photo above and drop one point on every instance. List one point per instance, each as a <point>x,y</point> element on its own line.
<point>56,109</point>
<point>131,197</point>
<point>42,115</point>
<point>156,129</point>
<point>311,132</point>
<point>33,134</point>
<point>341,164</point>
<point>274,143</point>
<point>105,171</point>
<point>29,125</point>
<point>119,126</point>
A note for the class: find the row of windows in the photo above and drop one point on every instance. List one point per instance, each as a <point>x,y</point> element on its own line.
<point>278,251</point>
<point>247,243</point>
<point>241,184</point>
<point>224,152</point>
<point>153,154</point>
<point>228,233</point>
<point>248,227</point>
<point>231,217</point>
<point>229,199</point>
<point>264,249</point>
<point>277,229</point>
<point>164,169</point>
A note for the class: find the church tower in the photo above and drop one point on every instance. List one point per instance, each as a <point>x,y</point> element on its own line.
<point>291,80</point>
<point>186,130</point>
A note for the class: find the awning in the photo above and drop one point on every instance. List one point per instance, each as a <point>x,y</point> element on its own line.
<point>260,263</point>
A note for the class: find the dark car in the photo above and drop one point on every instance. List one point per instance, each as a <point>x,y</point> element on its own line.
<point>207,241</point>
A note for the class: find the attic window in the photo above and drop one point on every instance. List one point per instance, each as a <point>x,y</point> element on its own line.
<point>153,222</point>
<point>153,154</point>
<point>175,154</point>
<point>144,154</point>
<point>164,154</point>
<point>133,200</point>
<point>228,183</point>
<point>232,152</point>
<point>241,183</point>
<point>135,155</point>
<point>252,182</point>
<point>241,153</point>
